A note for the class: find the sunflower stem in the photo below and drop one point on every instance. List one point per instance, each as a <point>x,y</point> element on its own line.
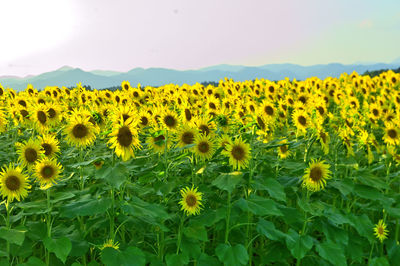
<point>8,225</point>
<point>370,253</point>
<point>228,217</point>
<point>48,223</point>
<point>180,234</point>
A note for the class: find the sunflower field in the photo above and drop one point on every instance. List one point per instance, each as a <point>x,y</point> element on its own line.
<point>244,173</point>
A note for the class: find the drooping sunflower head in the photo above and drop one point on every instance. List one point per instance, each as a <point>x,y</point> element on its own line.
<point>50,145</point>
<point>191,201</point>
<point>380,230</point>
<point>239,154</point>
<point>14,183</point>
<point>124,139</point>
<point>30,152</point>
<point>185,136</point>
<point>110,244</point>
<point>80,132</point>
<point>316,175</point>
<point>47,171</point>
<point>283,150</point>
<point>204,147</point>
<point>157,141</point>
<point>392,134</point>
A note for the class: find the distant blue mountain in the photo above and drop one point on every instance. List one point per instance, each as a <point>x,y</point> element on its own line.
<point>68,76</point>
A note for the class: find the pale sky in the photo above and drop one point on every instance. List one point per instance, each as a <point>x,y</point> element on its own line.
<point>43,35</point>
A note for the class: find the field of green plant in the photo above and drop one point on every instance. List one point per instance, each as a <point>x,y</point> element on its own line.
<point>243,173</point>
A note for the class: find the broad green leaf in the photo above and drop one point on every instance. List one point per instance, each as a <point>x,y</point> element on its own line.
<point>114,175</point>
<point>228,181</point>
<point>190,247</point>
<point>363,225</point>
<point>274,188</point>
<point>33,261</point>
<point>381,261</point>
<point>298,245</point>
<point>60,247</point>
<point>12,235</point>
<point>259,206</point>
<point>367,192</point>
<point>332,253</point>
<point>86,207</point>
<point>176,259</point>
<point>196,232</point>
<point>268,229</point>
<point>138,208</point>
<point>206,260</point>
<point>132,256</point>
<point>232,256</point>
<point>345,186</point>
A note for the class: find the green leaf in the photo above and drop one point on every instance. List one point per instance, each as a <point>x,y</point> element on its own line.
<point>114,175</point>
<point>60,247</point>
<point>259,206</point>
<point>132,256</point>
<point>176,259</point>
<point>227,181</point>
<point>367,192</point>
<point>382,261</point>
<point>332,253</point>
<point>268,229</point>
<point>274,188</point>
<point>363,225</point>
<point>140,208</point>
<point>298,245</point>
<point>33,261</point>
<point>12,235</point>
<point>206,260</point>
<point>345,186</point>
<point>229,255</point>
<point>196,232</point>
<point>86,207</point>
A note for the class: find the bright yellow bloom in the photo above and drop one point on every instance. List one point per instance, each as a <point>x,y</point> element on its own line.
<point>191,201</point>
<point>380,230</point>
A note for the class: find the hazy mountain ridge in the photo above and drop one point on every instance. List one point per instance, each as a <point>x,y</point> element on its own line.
<point>68,76</point>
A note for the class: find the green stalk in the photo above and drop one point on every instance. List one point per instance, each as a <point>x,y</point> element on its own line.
<point>8,225</point>
<point>228,217</point>
<point>180,234</point>
<point>48,223</point>
<point>112,235</point>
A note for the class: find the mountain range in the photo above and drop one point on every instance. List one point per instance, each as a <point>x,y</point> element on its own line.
<point>68,76</point>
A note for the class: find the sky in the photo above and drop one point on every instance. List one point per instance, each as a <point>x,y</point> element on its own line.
<point>44,35</point>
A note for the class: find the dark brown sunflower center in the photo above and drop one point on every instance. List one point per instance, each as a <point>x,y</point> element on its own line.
<point>126,86</point>
<point>125,117</point>
<point>187,138</point>
<point>47,149</point>
<point>41,116</point>
<point>204,129</point>
<point>302,120</point>
<point>204,147</point>
<point>80,131</point>
<point>375,112</point>
<point>22,102</point>
<point>191,200</point>
<point>269,110</point>
<point>188,114</point>
<point>260,123</point>
<point>321,110</point>
<point>322,135</point>
<point>125,136</point>
<point>170,121</point>
<point>380,230</point>
<point>13,183</point>
<point>302,99</point>
<point>159,140</point>
<point>24,113</point>
<point>41,101</point>
<point>144,121</point>
<point>31,155</point>
<point>135,94</point>
<point>283,148</point>
<point>52,113</point>
<point>212,106</point>
<point>47,172</point>
<point>316,174</point>
<point>392,133</point>
<point>238,153</point>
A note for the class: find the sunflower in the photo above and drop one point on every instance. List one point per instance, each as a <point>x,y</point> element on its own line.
<point>144,119</point>
<point>80,131</point>
<point>14,183</point>
<point>324,139</point>
<point>283,150</point>
<point>191,201</point>
<point>223,141</point>
<point>301,120</point>
<point>185,136</point>
<point>316,175</point>
<point>29,152</point>
<point>239,154</point>
<point>170,120</point>
<point>47,171</point>
<point>157,141</point>
<point>40,117</point>
<point>50,145</point>
<point>380,230</point>
<point>110,244</point>
<point>124,138</point>
<point>3,122</point>
<point>203,125</point>
<point>392,134</point>
<point>204,147</point>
